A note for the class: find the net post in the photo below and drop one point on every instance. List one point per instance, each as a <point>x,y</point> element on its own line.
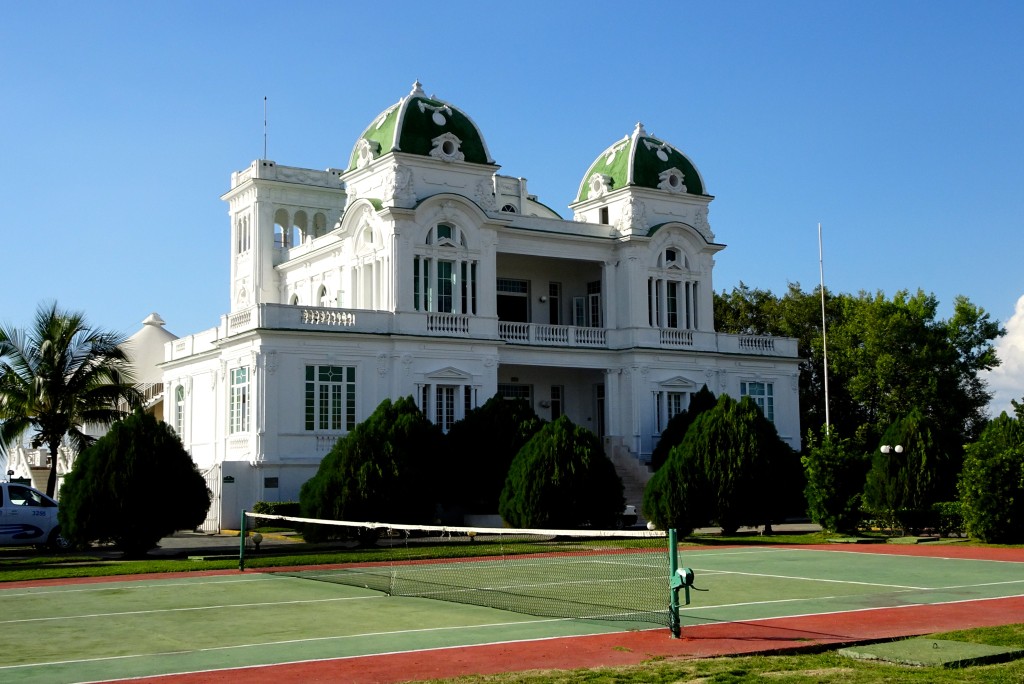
<point>241,543</point>
<point>673,574</point>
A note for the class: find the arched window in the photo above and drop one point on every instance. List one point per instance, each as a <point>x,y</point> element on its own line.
<point>282,227</point>
<point>300,228</point>
<point>444,273</point>
<point>672,292</point>
<point>321,297</point>
<point>294,300</point>
<point>319,225</point>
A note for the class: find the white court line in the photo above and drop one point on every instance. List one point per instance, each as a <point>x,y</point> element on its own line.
<point>284,642</point>
<point>871,554</point>
<point>148,583</point>
<point>445,648</point>
<point>352,657</point>
<point>185,610</point>
<point>981,584</point>
<point>856,610</point>
<point>689,553</point>
<point>809,579</point>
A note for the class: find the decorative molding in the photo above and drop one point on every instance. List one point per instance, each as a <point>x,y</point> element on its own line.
<point>366,152</point>
<point>671,180</point>
<point>615,149</point>
<point>600,184</point>
<point>447,148</point>
<point>397,187</point>
<point>633,218</point>
<point>438,113</point>
<point>448,373</point>
<point>485,195</point>
<point>679,382</point>
<point>700,222</point>
<point>660,149</point>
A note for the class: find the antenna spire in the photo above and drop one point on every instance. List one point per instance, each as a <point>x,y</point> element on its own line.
<point>824,343</point>
<point>264,126</point>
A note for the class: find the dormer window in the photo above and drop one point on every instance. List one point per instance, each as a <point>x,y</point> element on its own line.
<point>445,235</point>
<point>447,147</point>
<point>671,180</point>
<point>366,151</point>
<point>599,185</point>
<point>673,258</point>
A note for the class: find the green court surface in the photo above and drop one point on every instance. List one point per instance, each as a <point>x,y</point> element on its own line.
<point>111,630</point>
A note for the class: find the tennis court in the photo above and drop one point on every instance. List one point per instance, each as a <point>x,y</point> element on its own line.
<point>207,623</point>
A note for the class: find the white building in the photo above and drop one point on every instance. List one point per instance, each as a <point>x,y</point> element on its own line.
<point>146,349</point>
<point>418,270</point>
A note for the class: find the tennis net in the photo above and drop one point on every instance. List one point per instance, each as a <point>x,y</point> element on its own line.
<point>581,574</point>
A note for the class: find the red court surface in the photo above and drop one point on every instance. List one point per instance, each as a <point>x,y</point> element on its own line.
<point>630,648</point>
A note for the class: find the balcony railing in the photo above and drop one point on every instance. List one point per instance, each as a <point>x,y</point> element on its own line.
<point>674,337</point>
<point>448,323</point>
<point>552,335</point>
<point>367,321</point>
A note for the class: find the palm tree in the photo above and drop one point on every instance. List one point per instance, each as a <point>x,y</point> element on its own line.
<point>59,376</point>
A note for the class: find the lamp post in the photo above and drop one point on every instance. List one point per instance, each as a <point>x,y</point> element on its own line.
<point>886,449</point>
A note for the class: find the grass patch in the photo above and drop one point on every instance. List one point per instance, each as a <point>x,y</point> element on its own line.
<point>827,667</point>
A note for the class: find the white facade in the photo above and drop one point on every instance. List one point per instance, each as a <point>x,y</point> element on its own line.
<point>419,270</point>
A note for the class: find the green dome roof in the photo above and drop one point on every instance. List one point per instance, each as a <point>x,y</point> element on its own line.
<point>643,161</point>
<point>418,124</point>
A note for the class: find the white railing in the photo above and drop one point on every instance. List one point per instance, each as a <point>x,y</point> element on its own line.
<point>336,317</point>
<point>757,344</point>
<point>240,319</point>
<point>447,323</point>
<point>674,337</point>
<point>551,335</point>
<point>590,337</point>
<point>514,332</point>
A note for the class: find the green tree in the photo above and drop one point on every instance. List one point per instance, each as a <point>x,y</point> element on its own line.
<point>902,486</point>
<point>675,497</point>
<point>58,376</point>
<point>992,483</point>
<point>384,470</point>
<point>731,468</point>
<point>133,486</point>
<point>678,425</point>
<point>835,478</point>
<point>885,357</point>
<point>562,479</point>
<point>796,314</point>
<point>476,475</point>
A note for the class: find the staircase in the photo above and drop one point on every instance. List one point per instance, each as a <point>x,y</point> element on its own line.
<point>634,474</point>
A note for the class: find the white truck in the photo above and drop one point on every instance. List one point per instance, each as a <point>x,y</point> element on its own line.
<point>28,518</point>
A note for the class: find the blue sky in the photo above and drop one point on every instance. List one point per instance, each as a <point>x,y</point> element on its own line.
<point>896,125</point>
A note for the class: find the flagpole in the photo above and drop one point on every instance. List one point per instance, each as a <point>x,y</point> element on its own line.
<point>824,343</point>
<point>264,126</point>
